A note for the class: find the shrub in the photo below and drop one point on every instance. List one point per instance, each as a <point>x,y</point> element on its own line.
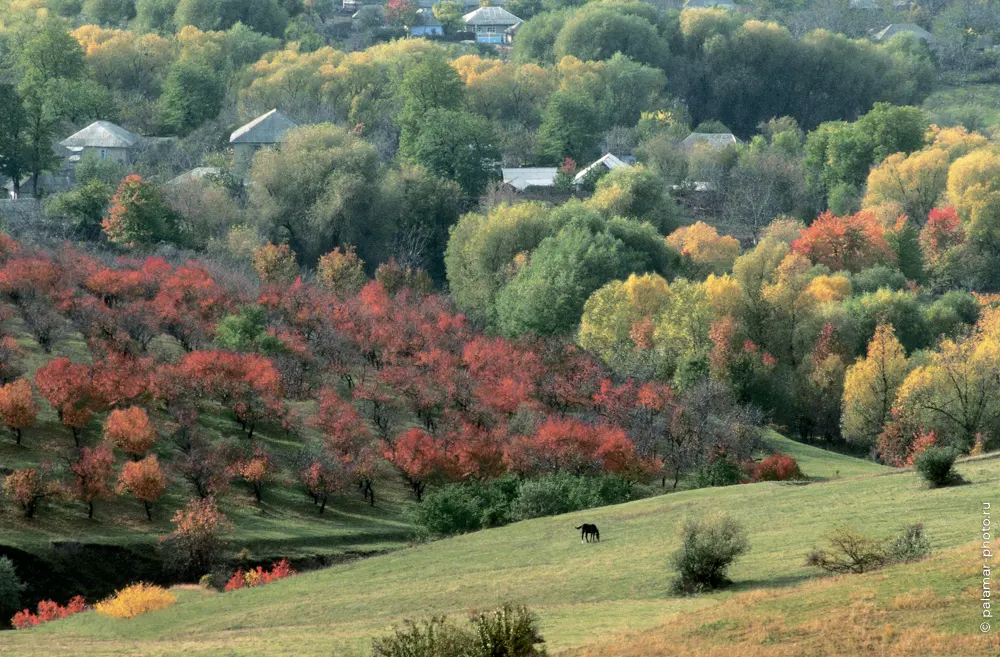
<point>935,465</point>
<point>258,576</point>
<point>849,551</point>
<point>47,611</point>
<point>509,630</point>
<point>136,600</point>
<point>722,470</point>
<point>708,548</point>
<point>11,587</point>
<point>910,545</point>
<point>777,467</point>
<point>435,637</point>
<point>469,506</point>
<point>562,493</point>
<point>194,545</point>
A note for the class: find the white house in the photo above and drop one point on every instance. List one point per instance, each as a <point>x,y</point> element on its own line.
<point>266,130</point>
<point>608,161</point>
<point>105,140</point>
<point>489,23</point>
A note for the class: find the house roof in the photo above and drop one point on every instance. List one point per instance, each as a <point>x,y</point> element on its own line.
<point>101,134</point>
<point>899,28</point>
<point>194,175</point>
<point>608,161</point>
<point>712,140</point>
<point>490,16</point>
<point>523,177</point>
<point>705,4</point>
<point>267,128</point>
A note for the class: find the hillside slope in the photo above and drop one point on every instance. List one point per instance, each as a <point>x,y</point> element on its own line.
<point>581,592</point>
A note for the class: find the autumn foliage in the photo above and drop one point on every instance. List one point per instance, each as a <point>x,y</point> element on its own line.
<point>777,467</point>
<point>130,430</point>
<point>849,243</point>
<point>46,611</point>
<point>254,577</point>
<point>18,408</point>
<point>145,481</point>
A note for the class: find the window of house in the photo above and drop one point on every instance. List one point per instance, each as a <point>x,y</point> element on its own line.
<point>491,29</point>
<point>104,154</point>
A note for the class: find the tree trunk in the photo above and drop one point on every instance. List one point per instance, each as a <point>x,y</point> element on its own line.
<point>322,506</point>
<point>149,510</point>
<point>17,434</point>
<point>90,509</point>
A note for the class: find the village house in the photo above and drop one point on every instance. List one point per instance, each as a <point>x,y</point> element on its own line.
<point>427,24</point>
<point>709,4</point>
<point>265,131</point>
<point>608,161</point>
<point>906,28</point>
<point>103,139</point>
<point>710,140</point>
<point>489,23</point>
<point>521,178</point>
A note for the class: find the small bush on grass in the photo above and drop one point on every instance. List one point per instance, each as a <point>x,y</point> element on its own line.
<point>136,600</point>
<point>564,493</point>
<point>935,466</point>
<point>777,467</point>
<point>910,545</point>
<point>722,470</point>
<point>11,588</point>
<point>708,548</point>
<point>47,611</point>
<point>470,506</point>
<point>258,576</point>
<point>507,631</point>
<point>849,551</point>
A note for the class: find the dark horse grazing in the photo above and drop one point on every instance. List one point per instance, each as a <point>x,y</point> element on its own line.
<point>588,532</point>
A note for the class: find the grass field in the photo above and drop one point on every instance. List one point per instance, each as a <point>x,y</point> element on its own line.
<point>616,589</point>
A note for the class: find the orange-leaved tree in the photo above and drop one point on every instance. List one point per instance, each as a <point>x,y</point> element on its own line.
<point>18,408</point>
<point>130,430</point>
<point>145,480</point>
<point>849,243</point>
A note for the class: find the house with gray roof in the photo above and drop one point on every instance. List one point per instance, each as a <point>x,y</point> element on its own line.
<point>708,4</point>
<point>608,161</point>
<point>905,28</point>
<point>489,23</point>
<point>714,141</point>
<point>521,178</point>
<point>266,130</point>
<point>104,140</point>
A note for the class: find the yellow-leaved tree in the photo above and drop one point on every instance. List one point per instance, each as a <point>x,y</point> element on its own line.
<point>870,387</point>
<point>956,394</point>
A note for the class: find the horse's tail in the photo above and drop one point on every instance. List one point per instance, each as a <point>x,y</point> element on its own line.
<point>580,527</point>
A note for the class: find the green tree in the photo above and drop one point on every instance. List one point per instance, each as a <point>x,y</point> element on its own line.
<point>81,208</point>
<point>192,94</point>
<point>155,15</point>
<point>316,193</point>
<point>11,588</point>
<point>14,162</point>
<point>599,31</point>
<point>570,127</point>
<point>459,146</point>
<point>139,215</point>
<point>449,13</point>
<point>246,331</point>
<point>109,12</point>
<point>636,193</point>
<point>431,84</point>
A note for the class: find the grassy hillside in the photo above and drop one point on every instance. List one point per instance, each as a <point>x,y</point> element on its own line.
<point>977,106</point>
<point>582,593</point>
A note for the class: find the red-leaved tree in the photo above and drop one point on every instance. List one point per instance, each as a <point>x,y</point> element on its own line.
<point>92,472</point>
<point>849,243</point>
<point>131,431</point>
